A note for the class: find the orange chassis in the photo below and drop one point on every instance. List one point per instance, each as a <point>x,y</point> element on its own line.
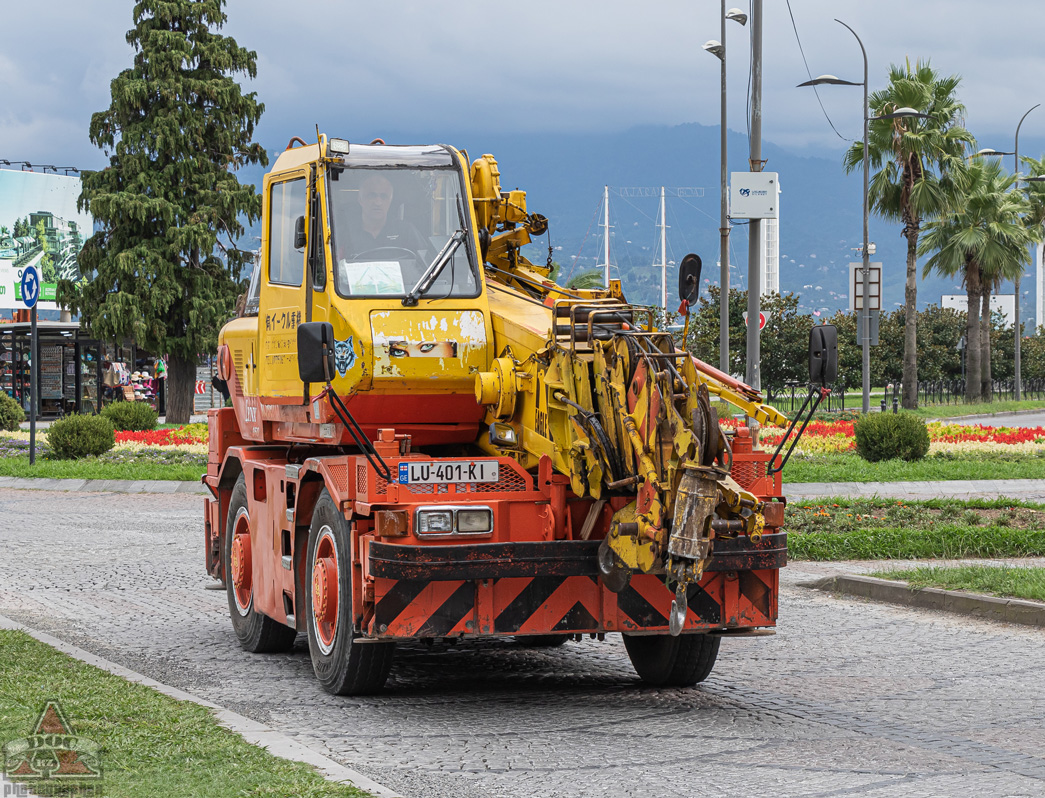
<point>534,574</point>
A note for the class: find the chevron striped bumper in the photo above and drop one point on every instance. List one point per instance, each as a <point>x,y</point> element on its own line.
<point>552,587</point>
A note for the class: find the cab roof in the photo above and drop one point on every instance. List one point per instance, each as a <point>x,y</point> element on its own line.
<point>371,155</point>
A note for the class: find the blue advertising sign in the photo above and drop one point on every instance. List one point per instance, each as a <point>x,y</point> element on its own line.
<point>30,286</point>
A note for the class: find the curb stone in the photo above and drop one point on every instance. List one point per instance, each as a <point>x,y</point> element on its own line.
<point>104,485</point>
<point>275,742</point>
<point>1009,610</point>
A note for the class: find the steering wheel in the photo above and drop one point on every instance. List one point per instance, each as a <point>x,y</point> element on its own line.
<point>370,252</point>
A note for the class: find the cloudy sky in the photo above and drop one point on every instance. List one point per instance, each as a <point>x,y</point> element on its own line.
<point>415,69</point>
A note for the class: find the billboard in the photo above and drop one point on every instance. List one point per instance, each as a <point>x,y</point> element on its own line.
<point>1000,303</point>
<point>39,226</point>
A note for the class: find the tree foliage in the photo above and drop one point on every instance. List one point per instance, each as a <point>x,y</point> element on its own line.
<point>177,127</point>
<point>784,340</point>
<point>982,238</point>
<point>912,156</point>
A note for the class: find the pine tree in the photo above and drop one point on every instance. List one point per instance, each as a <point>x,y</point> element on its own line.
<point>161,273</point>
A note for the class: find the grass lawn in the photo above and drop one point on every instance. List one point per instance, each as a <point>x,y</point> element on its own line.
<point>97,468</point>
<point>850,467</point>
<point>995,580</point>
<point>956,410</point>
<point>151,744</point>
<point>881,529</point>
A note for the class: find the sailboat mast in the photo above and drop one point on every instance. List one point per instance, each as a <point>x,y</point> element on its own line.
<point>606,233</point>
<point>663,254</point>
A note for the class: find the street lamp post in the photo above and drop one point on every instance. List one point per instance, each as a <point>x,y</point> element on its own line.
<point>718,49</point>
<point>1016,386</point>
<point>865,270</point>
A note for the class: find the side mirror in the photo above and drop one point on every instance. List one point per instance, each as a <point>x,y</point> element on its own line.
<point>689,279</point>
<point>299,232</point>
<point>316,351</point>
<point>823,354</point>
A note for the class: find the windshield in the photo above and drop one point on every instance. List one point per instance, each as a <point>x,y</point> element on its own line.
<point>389,225</point>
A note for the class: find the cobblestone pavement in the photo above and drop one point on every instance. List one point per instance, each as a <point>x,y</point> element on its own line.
<point>848,698</point>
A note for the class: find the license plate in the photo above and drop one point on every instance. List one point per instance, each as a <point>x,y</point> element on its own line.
<point>442,471</point>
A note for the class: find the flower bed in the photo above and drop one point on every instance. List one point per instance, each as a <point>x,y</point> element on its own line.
<point>165,437</point>
<point>191,438</point>
<point>819,438</point>
<point>831,437</point>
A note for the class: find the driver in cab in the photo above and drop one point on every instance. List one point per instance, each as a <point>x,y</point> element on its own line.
<point>379,230</point>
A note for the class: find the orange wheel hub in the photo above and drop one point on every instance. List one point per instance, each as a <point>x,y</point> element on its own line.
<point>325,592</point>
<point>241,568</point>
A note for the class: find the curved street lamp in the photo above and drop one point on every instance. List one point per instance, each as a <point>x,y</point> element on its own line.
<point>718,49</point>
<point>865,330</point>
<point>988,151</point>
<point>1017,381</point>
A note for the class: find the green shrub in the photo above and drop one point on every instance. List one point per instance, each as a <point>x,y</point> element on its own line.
<point>77,436</point>
<point>11,413</point>
<point>131,416</point>
<point>885,436</point>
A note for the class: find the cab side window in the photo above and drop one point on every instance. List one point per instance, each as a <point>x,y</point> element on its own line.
<point>286,203</point>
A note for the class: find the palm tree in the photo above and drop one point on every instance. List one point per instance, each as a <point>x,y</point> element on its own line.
<point>911,155</point>
<point>585,280</point>
<point>981,236</point>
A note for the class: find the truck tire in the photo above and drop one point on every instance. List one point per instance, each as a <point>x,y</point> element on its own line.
<point>342,665</point>
<point>255,632</point>
<point>667,661</point>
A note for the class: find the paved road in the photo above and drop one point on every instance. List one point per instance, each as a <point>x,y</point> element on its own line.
<point>849,698</point>
<point>1008,420</point>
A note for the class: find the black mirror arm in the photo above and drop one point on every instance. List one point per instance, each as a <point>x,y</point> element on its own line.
<point>820,393</point>
<point>364,443</point>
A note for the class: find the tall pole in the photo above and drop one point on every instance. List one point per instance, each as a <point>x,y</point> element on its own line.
<point>754,283</point>
<point>34,380</point>
<point>865,270</point>
<point>663,254</point>
<point>606,232</point>
<point>1016,386</point>
<point>723,226</point>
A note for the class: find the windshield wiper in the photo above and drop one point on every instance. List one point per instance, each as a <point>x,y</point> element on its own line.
<point>435,269</point>
<point>437,265</point>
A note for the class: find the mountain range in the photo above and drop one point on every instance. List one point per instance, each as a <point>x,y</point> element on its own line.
<point>820,224</point>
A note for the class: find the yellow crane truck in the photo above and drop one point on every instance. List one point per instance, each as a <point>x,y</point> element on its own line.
<point>428,438</point>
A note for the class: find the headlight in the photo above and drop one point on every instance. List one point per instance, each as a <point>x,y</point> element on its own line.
<point>337,147</point>
<point>429,521</point>
<point>468,520</point>
<point>474,521</point>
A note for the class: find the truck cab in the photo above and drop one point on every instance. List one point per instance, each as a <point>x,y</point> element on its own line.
<point>349,231</point>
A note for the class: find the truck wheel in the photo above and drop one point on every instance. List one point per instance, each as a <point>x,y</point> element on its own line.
<point>342,665</point>
<point>668,661</point>
<point>256,633</point>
